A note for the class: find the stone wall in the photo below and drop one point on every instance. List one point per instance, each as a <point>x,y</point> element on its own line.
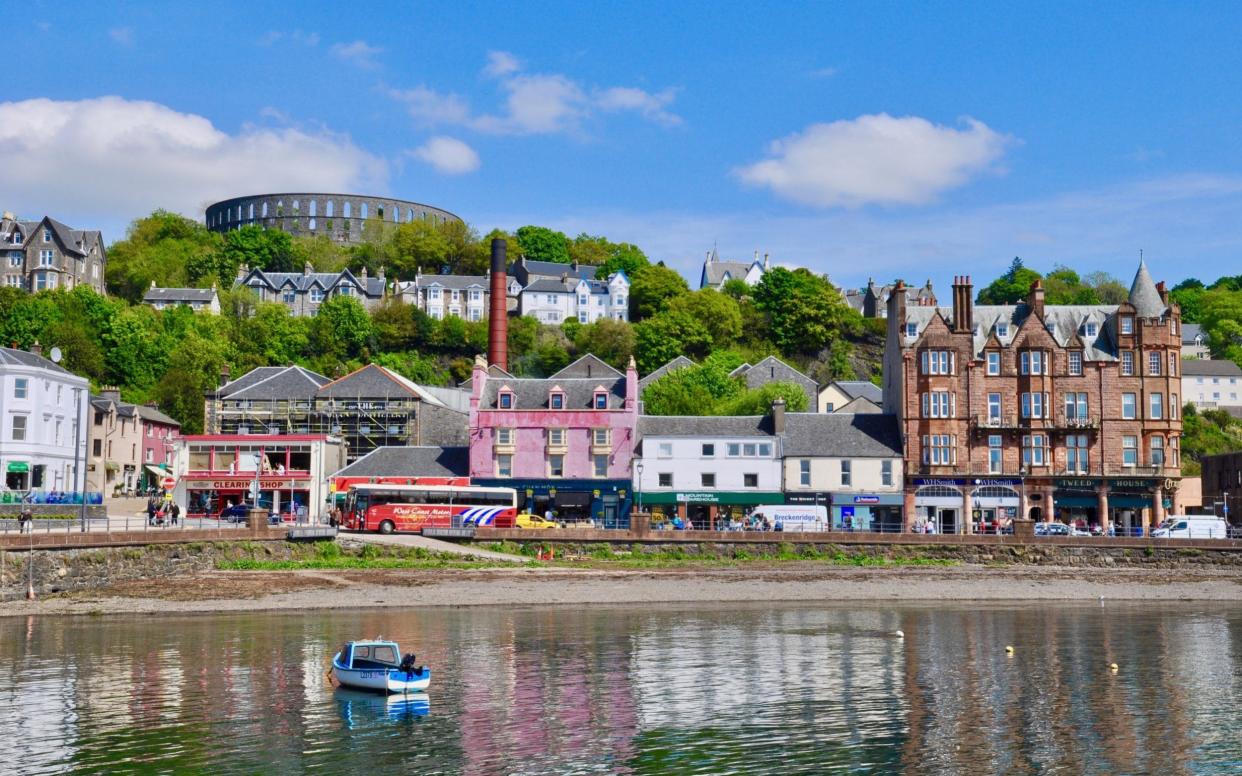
<point>93,511</point>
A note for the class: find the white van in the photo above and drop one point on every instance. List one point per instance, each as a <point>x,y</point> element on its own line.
<point>1191,527</point>
<point>794,517</point>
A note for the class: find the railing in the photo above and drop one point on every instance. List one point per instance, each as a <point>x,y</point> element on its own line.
<point>1057,422</point>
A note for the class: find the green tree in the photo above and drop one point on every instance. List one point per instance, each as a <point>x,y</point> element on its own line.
<point>539,243</point>
<point>1063,286</point>
<point>718,313</point>
<point>1108,289</point>
<point>661,338</point>
<point>695,390</point>
<point>158,249</point>
<point>135,353</point>
<point>1010,288</point>
<point>414,367</point>
<point>758,401</point>
<point>271,250</point>
<point>1188,295</point>
<point>193,368</point>
<point>609,339</point>
<point>652,288</point>
<point>341,329</point>
<point>805,313</point>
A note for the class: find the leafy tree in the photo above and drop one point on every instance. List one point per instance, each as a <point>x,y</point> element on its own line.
<point>193,368</point>
<point>718,313</point>
<point>1063,286</point>
<point>414,367</point>
<point>805,313</point>
<point>341,329</point>
<point>672,333</point>
<point>1188,294</point>
<point>540,243</point>
<point>1108,289</point>
<point>652,288</point>
<point>1010,288</point>
<point>611,340</point>
<point>736,288</point>
<point>271,336</point>
<point>271,250</point>
<point>135,353</point>
<point>523,332</point>
<point>695,390</point>
<point>758,401</point>
<point>158,249</point>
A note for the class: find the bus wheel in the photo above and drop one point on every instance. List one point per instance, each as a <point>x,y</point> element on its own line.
<point>386,527</point>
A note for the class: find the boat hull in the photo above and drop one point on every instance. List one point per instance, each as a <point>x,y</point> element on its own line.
<point>391,680</point>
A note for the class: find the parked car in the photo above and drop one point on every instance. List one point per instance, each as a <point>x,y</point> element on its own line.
<point>529,522</point>
<point>236,513</point>
<point>1052,529</point>
<point>1191,527</point>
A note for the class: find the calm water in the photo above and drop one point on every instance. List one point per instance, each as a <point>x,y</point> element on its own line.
<point>747,690</point>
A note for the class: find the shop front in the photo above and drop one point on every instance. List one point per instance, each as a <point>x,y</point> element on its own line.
<point>207,497</point>
<point>938,505</point>
<point>17,476</point>
<point>707,510</point>
<point>606,503</point>
<point>879,512</point>
<point>995,504</point>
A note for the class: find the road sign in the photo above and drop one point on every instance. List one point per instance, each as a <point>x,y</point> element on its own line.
<point>168,483</point>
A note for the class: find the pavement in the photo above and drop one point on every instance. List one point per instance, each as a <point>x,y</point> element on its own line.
<point>436,545</point>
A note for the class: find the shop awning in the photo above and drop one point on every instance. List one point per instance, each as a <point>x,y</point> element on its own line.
<point>572,499</point>
<point>740,498</point>
<point>157,472</point>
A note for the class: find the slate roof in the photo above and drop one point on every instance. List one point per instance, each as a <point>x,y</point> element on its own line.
<point>107,404</point>
<point>1066,321</point>
<point>841,435</point>
<point>552,269</point>
<point>856,388</point>
<point>15,357</point>
<point>78,241</point>
<point>772,369</point>
<point>532,394</point>
<point>373,381</point>
<point>303,281</point>
<point>1208,367</point>
<point>681,362</point>
<point>705,426</point>
<point>1190,332</point>
<point>425,461</point>
<point>589,365</point>
<point>459,282</point>
<point>154,294</point>
<point>566,286</point>
<point>291,382</point>
<point>860,405</point>
<point>154,415</point>
<point>494,372</point>
<point>1144,296</point>
<point>716,271</point>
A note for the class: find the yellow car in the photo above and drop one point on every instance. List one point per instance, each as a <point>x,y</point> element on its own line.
<point>527,521</point>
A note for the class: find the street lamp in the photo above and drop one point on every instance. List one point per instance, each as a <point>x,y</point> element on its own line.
<point>638,486</point>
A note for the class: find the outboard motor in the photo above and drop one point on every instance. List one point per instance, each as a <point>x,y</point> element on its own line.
<point>407,665</point>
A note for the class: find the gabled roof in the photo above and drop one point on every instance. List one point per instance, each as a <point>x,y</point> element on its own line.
<point>553,269</point>
<point>841,435</point>
<point>1068,319</point>
<point>291,382</point>
<point>859,388</point>
<point>772,368</point>
<point>701,426</point>
<point>155,416</point>
<point>422,461</point>
<point>681,362</point>
<point>1208,367</point>
<point>532,393</point>
<point>179,295</point>
<point>860,405</point>
<point>459,282</point>
<point>374,381</point>
<point>494,372</point>
<point>717,272</point>
<point>372,286</point>
<point>1190,333</point>
<point>15,357</point>
<point>589,365</point>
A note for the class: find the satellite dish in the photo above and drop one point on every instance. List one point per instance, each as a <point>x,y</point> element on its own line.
<point>56,355</point>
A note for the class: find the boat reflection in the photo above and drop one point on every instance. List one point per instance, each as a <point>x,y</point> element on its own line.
<point>361,709</point>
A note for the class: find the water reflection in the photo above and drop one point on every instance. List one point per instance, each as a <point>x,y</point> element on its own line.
<point>741,689</point>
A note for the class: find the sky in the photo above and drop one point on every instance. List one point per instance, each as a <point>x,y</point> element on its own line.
<point>862,140</point>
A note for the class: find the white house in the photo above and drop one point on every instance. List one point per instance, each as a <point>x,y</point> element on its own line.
<point>1211,383</point>
<point>1194,341</point>
<point>716,272</point>
<point>849,462</point>
<point>197,299</point>
<point>555,300</point>
<point>707,469</point>
<point>465,296</point>
<point>41,411</point>
<point>850,396</point>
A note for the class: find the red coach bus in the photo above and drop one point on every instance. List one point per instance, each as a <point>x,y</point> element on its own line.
<point>410,508</point>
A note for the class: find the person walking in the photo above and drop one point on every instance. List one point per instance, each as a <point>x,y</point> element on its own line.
<point>174,512</point>
<point>151,511</point>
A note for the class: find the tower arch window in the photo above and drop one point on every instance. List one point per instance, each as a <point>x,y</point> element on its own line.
<point>328,208</point>
<point>264,208</point>
<point>250,212</point>
<point>409,215</point>
<point>362,211</point>
<point>347,209</point>
<point>313,208</point>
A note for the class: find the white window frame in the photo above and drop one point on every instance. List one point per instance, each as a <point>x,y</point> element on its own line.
<point>994,362</point>
<point>1075,363</point>
<point>1132,413</point>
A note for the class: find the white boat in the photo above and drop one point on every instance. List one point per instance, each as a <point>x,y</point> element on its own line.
<point>377,665</point>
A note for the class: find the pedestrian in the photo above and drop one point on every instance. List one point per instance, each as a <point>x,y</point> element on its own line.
<point>151,511</point>
<point>25,520</point>
<point>175,512</point>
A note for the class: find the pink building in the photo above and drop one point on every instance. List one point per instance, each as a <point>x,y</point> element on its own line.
<point>565,442</point>
<point>159,433</point>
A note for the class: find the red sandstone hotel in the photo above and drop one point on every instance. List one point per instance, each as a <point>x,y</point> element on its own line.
<point>1039,411</point>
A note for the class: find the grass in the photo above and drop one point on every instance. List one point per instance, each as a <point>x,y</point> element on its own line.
<point>330,555</point>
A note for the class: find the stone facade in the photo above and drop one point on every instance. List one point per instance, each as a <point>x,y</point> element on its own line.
<point>304,292</point>
<point>44,254</point>
<point>341,218</point>
<point>1046,411</point>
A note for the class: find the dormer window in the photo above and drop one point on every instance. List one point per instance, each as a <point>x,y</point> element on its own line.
<point>556,400</point>
<point>47,235</point>
<point>505,400</point>
<point>316,294</point>
<point>912,329</point>
<point>1127,324</point>
<point>1052,328</point>
<point>345,290</point>
<point>601,400</point>
<point>433,294</point>
<point>1090,328</point>
<point>1002,330</point>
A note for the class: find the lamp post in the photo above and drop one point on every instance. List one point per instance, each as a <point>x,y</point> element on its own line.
<point>638,486</point>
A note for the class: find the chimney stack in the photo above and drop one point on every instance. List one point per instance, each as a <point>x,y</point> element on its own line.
<point>1164,292</point>
<point>1035,300</point>
<point>498,324</point>
<point>224,375</point>
<point>36,348</point>
<point>778,416</point>
<point>963,306</point>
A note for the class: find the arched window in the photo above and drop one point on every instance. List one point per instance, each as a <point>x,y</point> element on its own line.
<point>396,215</point>
<point>328,209</point>
<point>938,491</point>
<point>311,224</point>
<point>280,207</point>
<point>347,208</point>
<point>264,208</point>
<point>409,215</point>
<point>296,207</point>
<point>251,211</point>
<point>314,208</point>
<point>362,211</point>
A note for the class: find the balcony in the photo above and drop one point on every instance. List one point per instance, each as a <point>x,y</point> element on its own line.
<point>1060,422</point>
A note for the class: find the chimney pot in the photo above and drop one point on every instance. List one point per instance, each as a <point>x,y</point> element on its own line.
<point>778,416</point>
<point>36,348</point>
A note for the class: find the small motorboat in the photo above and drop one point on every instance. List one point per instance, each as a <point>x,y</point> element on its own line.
<point>377,665</point>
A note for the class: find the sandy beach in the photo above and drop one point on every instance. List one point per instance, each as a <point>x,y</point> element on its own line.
<point>227,591</point>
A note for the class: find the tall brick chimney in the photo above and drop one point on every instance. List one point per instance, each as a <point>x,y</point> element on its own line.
<point>498,328</point>
<point>963,304</point>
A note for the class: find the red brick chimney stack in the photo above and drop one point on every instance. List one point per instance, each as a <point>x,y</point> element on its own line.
<point>498,322</point>
<point>1035,300</point>
<point>963,304</point>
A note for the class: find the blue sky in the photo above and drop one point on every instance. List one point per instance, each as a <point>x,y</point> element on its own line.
<point>857,139</point>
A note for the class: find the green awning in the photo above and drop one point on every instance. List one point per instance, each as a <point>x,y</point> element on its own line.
<point>18,467</point>
<point>743,498</point>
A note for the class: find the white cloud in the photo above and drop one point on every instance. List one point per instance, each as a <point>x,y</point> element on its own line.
<point>122,35</point>
<point>447,155</point>
<point>500,64</point>
<point>109,158</point>
<point>308,39</point>
<point>535,103</point>
<point>652,106</point>
<point>876,159</point>
<point>429,107</point>
<point>358,53</point>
